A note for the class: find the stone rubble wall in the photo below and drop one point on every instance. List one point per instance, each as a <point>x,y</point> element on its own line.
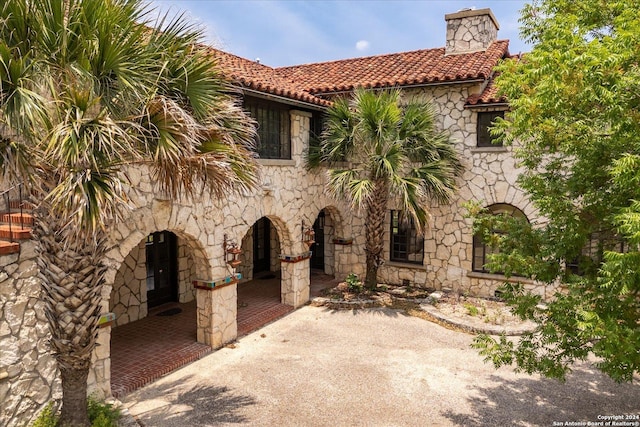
<point>186,273</point>
<point>129,295</point>
<point>274,260</point>
<point>246,268</point>
<point>489,178</point>
<point>469,33</point>
<point>288,195</point>
<point>28,371</point>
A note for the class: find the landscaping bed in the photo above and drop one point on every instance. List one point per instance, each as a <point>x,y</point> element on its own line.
<point>450,309</point>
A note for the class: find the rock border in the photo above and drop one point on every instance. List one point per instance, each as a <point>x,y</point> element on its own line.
<point>426,305</point>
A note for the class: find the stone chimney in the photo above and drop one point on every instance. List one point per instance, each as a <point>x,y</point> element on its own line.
<point>470,30</point>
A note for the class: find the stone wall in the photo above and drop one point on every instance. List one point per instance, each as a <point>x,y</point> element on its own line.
<point>129,295</point>
<point>28,372</point>
<point>186,273</point>
<point>489,178</point>
<point>288,195</point>
<point>470,31</point>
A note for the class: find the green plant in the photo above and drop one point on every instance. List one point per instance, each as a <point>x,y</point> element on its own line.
<point>378,133</point>
<point>472,310</point>
<point>102,414</point>
<point>47,418</point>
<point>353,283</point>
<point>577,129</point>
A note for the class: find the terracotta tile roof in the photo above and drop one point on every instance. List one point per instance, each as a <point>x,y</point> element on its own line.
<point>261,78</point>
<point>488,96</point>
<point>396,69</point>
<point>490,93</point>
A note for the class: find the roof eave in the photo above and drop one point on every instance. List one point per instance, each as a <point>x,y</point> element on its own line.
<point>487,105</point>
<point>284,99</point>
<point>410,86</point>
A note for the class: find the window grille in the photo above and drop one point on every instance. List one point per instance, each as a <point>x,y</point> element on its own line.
<point>273,139</point>
<point>406,244</point>
<point>485,121</point>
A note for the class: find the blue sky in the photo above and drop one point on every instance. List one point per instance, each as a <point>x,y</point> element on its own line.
<point>296,32</point>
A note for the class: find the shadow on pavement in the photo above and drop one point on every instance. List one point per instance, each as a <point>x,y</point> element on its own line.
<point>379,311</point>
<point>199,406</point>
<point>586,394</point>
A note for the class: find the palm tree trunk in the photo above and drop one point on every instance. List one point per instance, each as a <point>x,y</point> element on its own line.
<point>74,396</point>
<point>374,232</point>
<point>71,273</point>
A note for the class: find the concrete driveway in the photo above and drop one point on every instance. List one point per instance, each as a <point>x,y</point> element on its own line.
<point>375,367</point>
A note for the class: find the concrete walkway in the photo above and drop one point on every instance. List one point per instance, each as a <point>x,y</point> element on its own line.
<point>371,367</point>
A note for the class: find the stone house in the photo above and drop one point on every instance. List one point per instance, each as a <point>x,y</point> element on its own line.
<point>172,250</point>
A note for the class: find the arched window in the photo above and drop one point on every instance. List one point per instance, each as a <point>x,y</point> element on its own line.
<point>481,251</point>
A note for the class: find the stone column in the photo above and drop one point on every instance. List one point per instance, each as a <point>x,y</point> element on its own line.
<point>217,311</point>
<point>295,282</point>
<point>99,381</point>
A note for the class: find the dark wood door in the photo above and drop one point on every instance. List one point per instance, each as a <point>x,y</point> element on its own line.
<point>261,246</point>
<point>317,250</point>
<point>162,268</point>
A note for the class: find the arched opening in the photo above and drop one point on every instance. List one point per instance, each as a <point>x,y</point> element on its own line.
<point>318,256</point>
<point>481,250</point>
<point>155,330</point>
<point>162,268</point>
<point>327,229</point>
<point>260,290</point>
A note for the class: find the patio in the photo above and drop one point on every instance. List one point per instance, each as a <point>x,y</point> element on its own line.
<point>165,340</point>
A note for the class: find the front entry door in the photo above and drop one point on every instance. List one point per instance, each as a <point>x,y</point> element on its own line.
<point>317,250</point>
<point>162,263</point>
<point>261,246</point>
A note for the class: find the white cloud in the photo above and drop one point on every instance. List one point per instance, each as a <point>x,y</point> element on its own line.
<point>362,45</point>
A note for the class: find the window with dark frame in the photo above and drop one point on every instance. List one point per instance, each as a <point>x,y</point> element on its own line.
<point>485,121</point>
<point>406,244</point>
<point>317,124</point>
<point>481,251</point>
<point>273,139</point>
<point>592,254</point>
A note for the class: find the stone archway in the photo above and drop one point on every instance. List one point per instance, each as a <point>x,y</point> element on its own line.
<point>148,341</point>
<point>128,249</point>
<point>329,240</point>
<point>134,280</point>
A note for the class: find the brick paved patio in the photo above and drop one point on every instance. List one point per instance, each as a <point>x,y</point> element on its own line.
<point>143,351</point>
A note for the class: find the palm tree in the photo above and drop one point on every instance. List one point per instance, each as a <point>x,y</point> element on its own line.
<point>88,89</point>
<point>377,149</point>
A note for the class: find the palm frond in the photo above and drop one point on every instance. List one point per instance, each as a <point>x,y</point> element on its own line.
<point>22,107</point>
<point>397,146</point>
<point>337,139</point>
<point>438,179</point>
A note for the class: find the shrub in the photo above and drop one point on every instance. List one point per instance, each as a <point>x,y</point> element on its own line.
<point>47,418</point>
<point>472,310</point>
<point>353,283</point>
<point>101,414</point>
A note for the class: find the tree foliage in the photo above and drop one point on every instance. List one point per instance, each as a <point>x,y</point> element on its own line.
<point>89,89</point>
<point>575,112</point>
